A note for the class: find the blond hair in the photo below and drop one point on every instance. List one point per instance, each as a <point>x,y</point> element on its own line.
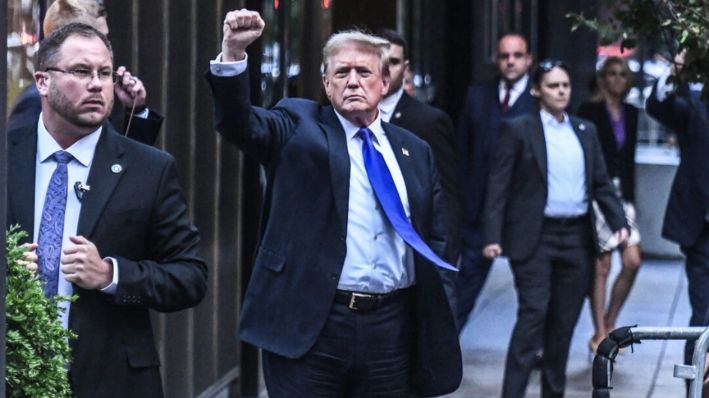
<point>64,12</point>
<point>376,45</point>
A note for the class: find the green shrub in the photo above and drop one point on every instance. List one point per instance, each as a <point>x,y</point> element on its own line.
<point>37,350</point>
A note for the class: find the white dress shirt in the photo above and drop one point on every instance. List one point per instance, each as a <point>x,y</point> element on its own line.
<point>377,259</point>
<point>566,169</point>
<point>77,171</point>
<point>516,90</point>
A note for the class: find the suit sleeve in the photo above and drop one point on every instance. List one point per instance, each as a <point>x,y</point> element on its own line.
<point>143,130</point>
<point>673,112</point>
<point>256,131</point>
<point>603,190</point>
<point>176,276</point>
<point>498,184</point>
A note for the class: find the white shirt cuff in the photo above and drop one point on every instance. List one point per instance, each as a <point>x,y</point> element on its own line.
<point>111,289</point>
<point>663,87</point>
<point>227,69</point>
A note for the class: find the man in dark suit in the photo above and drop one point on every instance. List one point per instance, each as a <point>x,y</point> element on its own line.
<point>140,123</point>
<point>547,169</point>
<point>436,128</point>
<point>107,220</point>
<point>687,215</point>
<point>486,106</point>
<point>339,303</point>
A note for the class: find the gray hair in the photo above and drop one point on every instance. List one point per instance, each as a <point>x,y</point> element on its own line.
<point>375,44</point>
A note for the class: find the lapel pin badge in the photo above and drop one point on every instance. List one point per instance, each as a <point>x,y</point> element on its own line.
<point>397,115</point>
<point>405,151</point>
<point>116,168</point>
<point>582,126</point>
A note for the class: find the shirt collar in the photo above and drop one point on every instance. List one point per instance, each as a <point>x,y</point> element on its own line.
<point>388,104</point>
<point>82,150</point>
<point>549,120</point>
<point>351,129</point>
<point>517,87</point>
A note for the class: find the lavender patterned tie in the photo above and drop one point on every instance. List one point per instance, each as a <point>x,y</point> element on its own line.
<point>51,228</point>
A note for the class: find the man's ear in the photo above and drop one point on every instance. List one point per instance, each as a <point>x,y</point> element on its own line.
<point>326,84</point>
<point>40,80</point>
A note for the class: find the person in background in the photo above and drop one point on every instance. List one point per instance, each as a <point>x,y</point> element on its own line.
<point>140,122</point>
<point>687,214</point>
<point>617,126</point>
<point>436,128</point>
<point>547,169</point>
<point>486,106</point>
<point>345,298</point>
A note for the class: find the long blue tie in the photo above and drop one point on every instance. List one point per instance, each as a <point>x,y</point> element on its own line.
<point>51,228</point>
<point>385,190</point>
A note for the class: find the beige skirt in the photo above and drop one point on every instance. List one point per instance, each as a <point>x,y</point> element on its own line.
<point>606,240</point>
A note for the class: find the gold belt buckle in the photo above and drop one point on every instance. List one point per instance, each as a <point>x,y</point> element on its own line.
<point>353,300</point>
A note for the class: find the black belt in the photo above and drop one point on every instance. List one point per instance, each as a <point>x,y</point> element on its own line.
<point>566,221</point>
<point>364,302</point>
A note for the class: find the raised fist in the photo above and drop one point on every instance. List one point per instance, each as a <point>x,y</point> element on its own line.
<point>241,28</point>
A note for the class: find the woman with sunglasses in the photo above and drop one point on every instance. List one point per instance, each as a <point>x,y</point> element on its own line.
<point>617,124</point>
<point>547,168</point>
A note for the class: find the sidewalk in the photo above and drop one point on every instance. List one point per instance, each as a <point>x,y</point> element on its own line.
<point>659,298</point>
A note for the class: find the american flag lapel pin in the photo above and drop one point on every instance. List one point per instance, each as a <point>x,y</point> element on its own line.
<point>405,151</point>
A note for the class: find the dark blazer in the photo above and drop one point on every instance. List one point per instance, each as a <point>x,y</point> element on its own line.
<point>300,257</point>
<point>688,116</point>
<point>619,162</point>
<point>137,215</point>
<point>517,187</point>
<point>29,105</point>
<point>436,128</point>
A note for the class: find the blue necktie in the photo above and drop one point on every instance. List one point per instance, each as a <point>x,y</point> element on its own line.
<point>385,190</point>
<point>51,228</point>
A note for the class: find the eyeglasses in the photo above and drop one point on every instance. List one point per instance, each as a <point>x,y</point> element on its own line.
<point>84,74</point>
<point>549,64</point>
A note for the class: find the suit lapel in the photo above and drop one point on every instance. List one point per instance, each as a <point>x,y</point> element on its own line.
<point>579,129</point>
<point>407,166</point>
<point>339,162</point>
<point>106,171</point>
<point>22,156</point>
<point>538,142</point>
<point>400,108</point>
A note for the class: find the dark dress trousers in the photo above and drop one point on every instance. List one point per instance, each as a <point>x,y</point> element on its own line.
<point>477,137</point>
<point>620,162</point>
<point>29,105</point>
<point>686,215</point>
<point>301,253</point>
<point>137,215</point>
<point>551,259</point>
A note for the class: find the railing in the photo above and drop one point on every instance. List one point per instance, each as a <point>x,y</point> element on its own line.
<point>620,338</point>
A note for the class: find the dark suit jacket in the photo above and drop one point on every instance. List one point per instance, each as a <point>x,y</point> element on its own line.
<point>688,116</point>
<point>619,162</point>
<point>300,257</point>
<point>436,128</point>
<point>478,128</point>
<point>29,105</point>
<point>139,217</point>
<point>517,187</point>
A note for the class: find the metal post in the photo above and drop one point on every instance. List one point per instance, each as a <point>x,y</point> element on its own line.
<point>3,190</point>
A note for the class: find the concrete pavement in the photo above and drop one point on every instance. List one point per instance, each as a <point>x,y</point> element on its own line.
<point>659,298</point>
